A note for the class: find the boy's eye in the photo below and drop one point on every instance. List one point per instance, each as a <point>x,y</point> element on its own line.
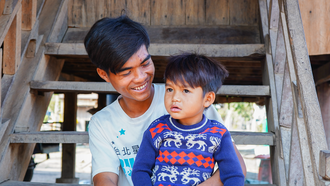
<point>169,90</point>
<point>186,91</point>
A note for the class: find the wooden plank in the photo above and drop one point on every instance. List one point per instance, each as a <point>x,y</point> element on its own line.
<point>322,74</point>
<point>170,12</point>
<point>310,106</point>
<point>60,25</point>
<point>243,12</point>
<point>325,164</point>
<point>210,50</point>
<point>0,82</point>
<point>315,15</point>
<point>323,92</point>
<point>104,87</point>
<point>20,103</point>
<point>2,6</point>
<point>12,46</point>
<point>9,7</point>
<point>217,12</point>
<point>195,12</point>
<point>187,35</point>
<point>29,14</point>
<point>242,138</point>
<point>6,20</point>
<point>139,10</point>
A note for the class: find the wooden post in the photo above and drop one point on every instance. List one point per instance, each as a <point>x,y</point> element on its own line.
<point>29,14</point>
<point>12,46</point>
<point>69,150</point>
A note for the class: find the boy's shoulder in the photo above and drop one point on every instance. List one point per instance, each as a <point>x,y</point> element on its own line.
<point>215,127</point>
<point>162,119</point>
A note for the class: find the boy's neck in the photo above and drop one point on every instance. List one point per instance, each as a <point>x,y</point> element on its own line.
<point>135,108</point>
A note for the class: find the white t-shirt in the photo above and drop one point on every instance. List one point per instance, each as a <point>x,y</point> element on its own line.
<point>114,137</point>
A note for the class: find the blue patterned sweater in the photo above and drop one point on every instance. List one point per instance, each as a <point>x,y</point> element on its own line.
<point>176,154</point>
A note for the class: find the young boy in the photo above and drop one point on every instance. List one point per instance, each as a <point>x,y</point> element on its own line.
<point>181,148</point>
<point>119,49</point>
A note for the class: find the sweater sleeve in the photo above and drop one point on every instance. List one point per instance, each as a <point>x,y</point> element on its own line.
<point>229,166</point>
<point>145,161</point>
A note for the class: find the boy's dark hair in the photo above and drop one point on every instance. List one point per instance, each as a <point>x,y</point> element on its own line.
<point>197,71</point>
<point>112,41</point>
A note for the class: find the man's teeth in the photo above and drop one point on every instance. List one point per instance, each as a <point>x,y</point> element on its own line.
<point>141,87</point>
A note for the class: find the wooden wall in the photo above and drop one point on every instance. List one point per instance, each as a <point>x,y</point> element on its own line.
<point>316,20</point>
<point>83,13</point>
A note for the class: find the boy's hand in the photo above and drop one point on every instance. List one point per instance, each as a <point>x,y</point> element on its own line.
<point>214,180</point>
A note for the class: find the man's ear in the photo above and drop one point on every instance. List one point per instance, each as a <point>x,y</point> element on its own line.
<point>209,99</point>
<point>103,74</point>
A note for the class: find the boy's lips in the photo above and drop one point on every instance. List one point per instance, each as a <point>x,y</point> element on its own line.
<point>175,108</point>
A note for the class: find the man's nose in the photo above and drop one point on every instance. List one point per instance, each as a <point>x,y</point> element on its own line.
<point>140,75</point>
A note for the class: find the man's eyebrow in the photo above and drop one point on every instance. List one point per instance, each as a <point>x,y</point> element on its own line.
<point>127,68</point>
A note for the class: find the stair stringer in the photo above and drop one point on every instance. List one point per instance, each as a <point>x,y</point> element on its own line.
<point>26,109</point>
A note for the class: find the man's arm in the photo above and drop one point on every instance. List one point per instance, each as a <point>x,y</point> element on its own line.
<point>215,180</point>
<point>105,179</point>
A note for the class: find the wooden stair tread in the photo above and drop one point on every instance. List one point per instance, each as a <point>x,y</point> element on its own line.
<point>103,87</point>
<point>242,138</point>
<point>23,183</point>
<point>157,49</point>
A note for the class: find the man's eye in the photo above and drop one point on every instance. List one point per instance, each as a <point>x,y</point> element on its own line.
<point>169,90</point>
<point>146,64</point>
<point>186,91</point>
<point>126,73</point>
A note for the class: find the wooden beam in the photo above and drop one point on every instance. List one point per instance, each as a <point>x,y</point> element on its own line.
<point>242,138</point>
<point>322,74</point>
<point>210,50</point>
<point>312,117</point>
<point>6,20</point>
<point>29,14</point>
<point>103,87</point>
<point>12,46</point>
<point>325,164</point>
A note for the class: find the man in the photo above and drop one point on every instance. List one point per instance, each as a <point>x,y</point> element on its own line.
<point>119,49</point>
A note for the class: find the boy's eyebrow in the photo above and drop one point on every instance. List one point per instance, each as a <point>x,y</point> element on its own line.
<point>127,68</point>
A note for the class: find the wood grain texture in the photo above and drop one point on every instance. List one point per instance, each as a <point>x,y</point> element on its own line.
<point>170,12</point>
<point>29,14</point>
<point>217,12</point>
<point>315,16</point>
<point>195,12</point>
<point>244,12</point>
<point>325,164</point>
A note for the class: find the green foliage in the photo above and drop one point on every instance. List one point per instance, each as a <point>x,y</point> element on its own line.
<point>244,109</point>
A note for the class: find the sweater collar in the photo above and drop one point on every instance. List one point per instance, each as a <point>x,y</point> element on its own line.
<point>188,128</point>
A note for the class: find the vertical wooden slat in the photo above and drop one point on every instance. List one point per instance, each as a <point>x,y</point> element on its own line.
<point>139,10</point>
<point>323,92</point>
<point>2,6</point>
<point>195,12</point>
<point>29,14</point>
<point>170,12</point>
<point>12,46</point>
<point>0,81</point>
<point>217,12</point>
<point>243,12</point>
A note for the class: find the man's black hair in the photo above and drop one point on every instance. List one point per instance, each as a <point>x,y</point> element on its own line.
<point>112,41</point>
<point>197,71</point>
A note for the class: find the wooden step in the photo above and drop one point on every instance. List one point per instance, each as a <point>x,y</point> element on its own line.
<point>103,87</point>
<point>241,138</point>
<point>210,50</point>
<point>20,183</point>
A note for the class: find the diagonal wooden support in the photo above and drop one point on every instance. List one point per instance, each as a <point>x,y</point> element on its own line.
<point>6,20</point>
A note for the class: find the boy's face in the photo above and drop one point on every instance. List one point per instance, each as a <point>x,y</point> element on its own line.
<point>184,103</point>
<point>134,80</point>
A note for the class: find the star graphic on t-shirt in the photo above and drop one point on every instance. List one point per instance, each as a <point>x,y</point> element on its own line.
<point>122,132</point>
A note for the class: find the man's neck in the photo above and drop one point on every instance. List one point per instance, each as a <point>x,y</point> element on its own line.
<point>135,108</point>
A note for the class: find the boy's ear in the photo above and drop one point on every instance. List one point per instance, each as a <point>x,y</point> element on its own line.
<point>103,74</point>
<point>209,99</point>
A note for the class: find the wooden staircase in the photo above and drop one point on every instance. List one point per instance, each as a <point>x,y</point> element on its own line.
<point>296,135</point>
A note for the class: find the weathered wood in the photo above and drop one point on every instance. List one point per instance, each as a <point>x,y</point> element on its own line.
<point>6,20</point>
<point>139,10</point>
<point>315,15</point>
<point>310,106</point>
<point>323,92</point>
<point>286,107</point>
<point>5,84</point>
<point>325,164</point>
<point>19,103</point>
<point>0,82</point>
<point>188,35</point>
<point>243,138</point>
<point>273,25</point>
<point>9,7</point>
<point>243,12</point>
<point>170,12</point>
<point>103,87</point>
<point>12,46</point>
<point>322,74</point>
<point>60,25</point>
<point>217,12</point>
<point>210,50</point>
<point>195,12</point>
<point>20,183</point>
<point>29,14</point>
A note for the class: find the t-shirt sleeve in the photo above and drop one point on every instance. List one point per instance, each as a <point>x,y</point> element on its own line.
<point>104,158</point>
<point>145,161</point>
<point>211,113</point>
<point>229,165</point>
